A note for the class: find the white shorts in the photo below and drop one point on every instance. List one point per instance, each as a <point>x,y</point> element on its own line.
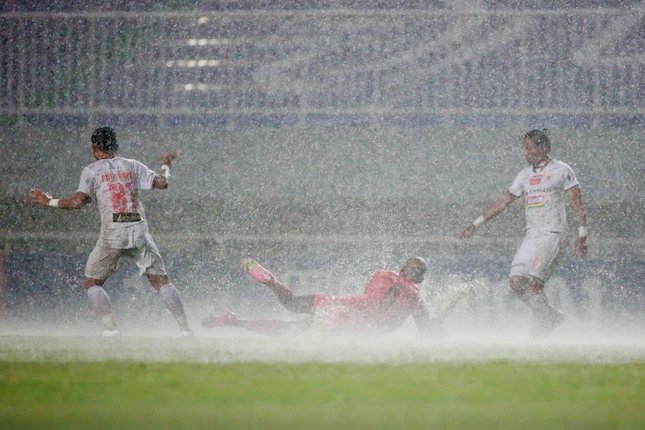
<point>104,261</point>
<point>538,254</point>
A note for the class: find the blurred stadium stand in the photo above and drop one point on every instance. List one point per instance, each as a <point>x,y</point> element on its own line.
<point>232,64</point>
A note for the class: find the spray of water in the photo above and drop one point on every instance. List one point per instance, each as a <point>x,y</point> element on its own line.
<point>479,323</point>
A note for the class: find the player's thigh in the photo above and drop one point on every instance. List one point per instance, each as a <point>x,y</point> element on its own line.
<point>538,255</point>
<point>102,262</point>
<point>148,260</point>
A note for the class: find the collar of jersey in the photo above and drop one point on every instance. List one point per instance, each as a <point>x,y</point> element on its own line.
<point>541,165</point>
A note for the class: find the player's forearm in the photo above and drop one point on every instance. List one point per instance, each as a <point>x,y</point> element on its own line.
<point>70,203</point>
<point>161,181</point>
<point>581,217</point>
<point>580,214</point>
<point>579,211</point>
<point>495,208</point>
<point>490,212</point>
<point>74,202</point>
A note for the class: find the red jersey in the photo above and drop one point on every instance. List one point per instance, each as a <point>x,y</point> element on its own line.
<point>388,300</point>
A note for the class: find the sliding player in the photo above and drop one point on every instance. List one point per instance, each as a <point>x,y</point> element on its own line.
<point>388,300</point>
<point>114,182</point>
<point>543,184</point>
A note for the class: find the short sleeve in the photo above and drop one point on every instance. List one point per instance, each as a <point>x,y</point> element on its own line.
<point>569,179</point>
<point>86,183</point>
<point>145,174</point>
<point>517,187</point>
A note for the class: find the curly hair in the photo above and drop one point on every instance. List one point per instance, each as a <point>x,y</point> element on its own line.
<point>104,138</point>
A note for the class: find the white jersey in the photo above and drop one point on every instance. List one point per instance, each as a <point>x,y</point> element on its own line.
<point>544,195</point>
<point>114,183</point>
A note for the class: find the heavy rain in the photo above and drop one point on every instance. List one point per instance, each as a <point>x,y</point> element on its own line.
<point>327,142</point>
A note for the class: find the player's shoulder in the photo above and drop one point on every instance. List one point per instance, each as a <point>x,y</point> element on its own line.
<point>127,160</point>
<point>93,166</point>
<point>385,274</point>
<point>383,277</point>
<point>131,163</point>
<point>559,164</point>
<point>397,277</point>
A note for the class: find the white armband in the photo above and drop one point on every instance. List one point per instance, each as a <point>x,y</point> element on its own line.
<point>165,171</point>
<point>480,220</point>
<point>582,231</point>
<point>53,203</point>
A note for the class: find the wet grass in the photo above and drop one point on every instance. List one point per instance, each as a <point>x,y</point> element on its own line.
<point>179,395</point>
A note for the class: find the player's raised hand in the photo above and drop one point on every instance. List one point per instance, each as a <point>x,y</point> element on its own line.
<point>168,157</point>
<point>40,197</point>
<point>580,247</point>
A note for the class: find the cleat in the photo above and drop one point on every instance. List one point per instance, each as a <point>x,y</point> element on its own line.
<point>255,270</point>
<point>217,321</point>
<point>111,333</point>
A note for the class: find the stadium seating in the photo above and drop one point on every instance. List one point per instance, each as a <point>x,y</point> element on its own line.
<point>488,67</point>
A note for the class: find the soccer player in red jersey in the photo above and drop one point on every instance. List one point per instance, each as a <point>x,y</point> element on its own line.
<point>388,299</point>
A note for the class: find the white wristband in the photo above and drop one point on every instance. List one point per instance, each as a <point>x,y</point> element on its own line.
<point>480,220</point>
<point>53,203</point>
<point>582,231</point>
<point>165,171</point>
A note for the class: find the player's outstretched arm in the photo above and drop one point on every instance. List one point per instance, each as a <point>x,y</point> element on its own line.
<point>77,201</point>
<point>580,214</point>
<point>491,212</point>
<point>166,159</point>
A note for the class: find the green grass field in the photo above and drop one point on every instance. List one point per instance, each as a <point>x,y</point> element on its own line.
<point>180,395</point>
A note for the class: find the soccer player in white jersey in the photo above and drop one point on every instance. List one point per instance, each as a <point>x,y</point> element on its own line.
<point>115,182</point>
<point>544,184</point>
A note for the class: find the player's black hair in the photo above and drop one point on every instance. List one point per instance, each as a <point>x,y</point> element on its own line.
<point>539,137</point>
<point>104,138</point>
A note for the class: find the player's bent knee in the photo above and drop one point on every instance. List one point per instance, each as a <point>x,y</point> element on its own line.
<point>300,304</point>
<point>158,281</point>
<point>89,283</point>
<point>518,284</point>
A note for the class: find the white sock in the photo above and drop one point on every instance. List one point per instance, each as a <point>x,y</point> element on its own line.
<point>170,297</point>
<point>102,306</point>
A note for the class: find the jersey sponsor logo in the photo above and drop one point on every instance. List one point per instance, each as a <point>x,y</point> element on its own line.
<point>126,217</point>
<point>535,201</point>
<point>535,179</point>
<point>542,190</point>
